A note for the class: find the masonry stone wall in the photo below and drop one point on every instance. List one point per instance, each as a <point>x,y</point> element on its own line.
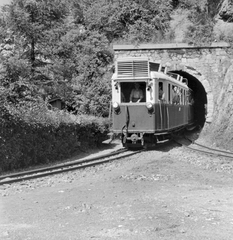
<point>207,64</point>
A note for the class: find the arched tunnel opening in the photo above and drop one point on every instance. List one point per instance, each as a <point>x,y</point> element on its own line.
<point>199,95</point>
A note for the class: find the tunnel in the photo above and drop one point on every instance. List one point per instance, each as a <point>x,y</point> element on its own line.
<point>199,95</point>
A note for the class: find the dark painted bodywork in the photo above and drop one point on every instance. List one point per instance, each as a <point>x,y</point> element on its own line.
<point>162,118</point>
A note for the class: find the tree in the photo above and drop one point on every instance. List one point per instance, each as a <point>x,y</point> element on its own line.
<point>131,21</point>
<point>90,56</point>
<point>201,30</point>
<point>52,50</point>
<point>29,25</point>
<point>197,5</point>
<point>31,22</point>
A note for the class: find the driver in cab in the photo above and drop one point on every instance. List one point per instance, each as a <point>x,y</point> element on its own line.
<point>136,94</point>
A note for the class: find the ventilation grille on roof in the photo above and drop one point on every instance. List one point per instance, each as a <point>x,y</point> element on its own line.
<point>132,68</point>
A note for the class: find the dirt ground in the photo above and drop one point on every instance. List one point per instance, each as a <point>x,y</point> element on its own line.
<point>168,193</point>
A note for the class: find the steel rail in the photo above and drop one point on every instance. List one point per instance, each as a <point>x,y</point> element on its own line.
<point>212,151</point>
<point>67,164</point>
<point>61,168</point>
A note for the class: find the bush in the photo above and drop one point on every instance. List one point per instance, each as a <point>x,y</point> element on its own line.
<point>31,134</point>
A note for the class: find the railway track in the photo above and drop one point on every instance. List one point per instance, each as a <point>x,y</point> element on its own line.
<point>204,149</point>
<point>65,167</point>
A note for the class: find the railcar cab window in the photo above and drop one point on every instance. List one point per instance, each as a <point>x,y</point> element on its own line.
<point>133,92</point>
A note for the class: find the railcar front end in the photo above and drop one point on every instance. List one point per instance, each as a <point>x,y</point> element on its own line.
<point>153,117</point>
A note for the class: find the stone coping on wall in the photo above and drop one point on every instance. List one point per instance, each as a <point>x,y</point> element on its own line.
<point>127,47</point>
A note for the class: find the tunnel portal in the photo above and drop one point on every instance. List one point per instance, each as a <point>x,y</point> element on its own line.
<point>203,66</point>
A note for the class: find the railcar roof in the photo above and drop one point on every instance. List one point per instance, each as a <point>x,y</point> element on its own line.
<point>165,76</point>
<point>159,75</point>
<point>123,59</point>
<point>143,72</point>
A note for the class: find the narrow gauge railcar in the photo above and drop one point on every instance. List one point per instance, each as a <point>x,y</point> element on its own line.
<point>159,112</point>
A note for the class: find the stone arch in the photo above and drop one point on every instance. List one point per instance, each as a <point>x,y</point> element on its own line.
<point>199,62</point>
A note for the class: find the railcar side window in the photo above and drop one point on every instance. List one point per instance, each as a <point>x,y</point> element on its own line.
<point>185,98</point>
<point>169,92</point>
<point>161,93</point>
<point>181,96</point>
<point>190,97</point>
<point>175,95</point>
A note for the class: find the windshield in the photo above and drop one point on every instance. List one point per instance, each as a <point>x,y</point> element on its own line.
<point>133,92</point>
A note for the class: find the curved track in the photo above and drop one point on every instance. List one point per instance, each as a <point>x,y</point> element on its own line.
<point>70,166</point>
<point>204,149</point>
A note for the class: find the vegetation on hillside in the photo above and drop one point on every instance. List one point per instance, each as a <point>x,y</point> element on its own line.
<point>63,47</point>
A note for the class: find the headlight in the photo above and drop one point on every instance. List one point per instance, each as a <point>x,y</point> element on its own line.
<point>149,105</point>
<point>115,105</point>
